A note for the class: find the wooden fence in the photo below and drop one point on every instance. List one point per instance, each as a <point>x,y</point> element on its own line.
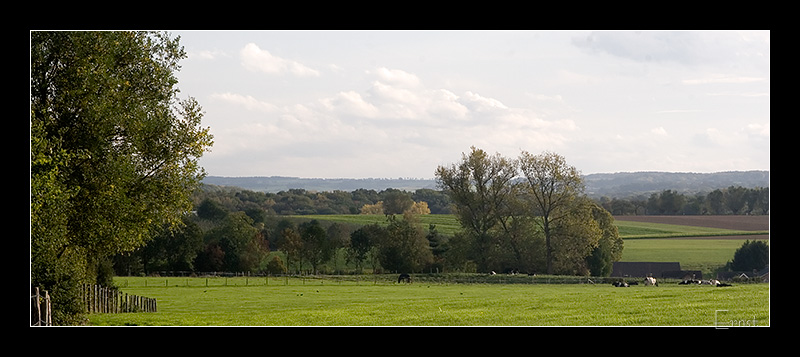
<point>98,299</point>
<point>40,308</point>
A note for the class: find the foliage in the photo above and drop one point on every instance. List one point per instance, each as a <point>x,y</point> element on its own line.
<point>362,241</point>
<point>513,223</point>
<point>113,151</point>
<point>376,208</point>
<point>404,248</point>
<point>276,266</point>
<point>734,200</point>
<point>480,188</point>
<point>316,247</point>
<point>396,202</point>
<point>752,255</point>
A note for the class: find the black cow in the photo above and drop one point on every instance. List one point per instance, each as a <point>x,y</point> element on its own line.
<point>404,277</point>
<point>620,284</point>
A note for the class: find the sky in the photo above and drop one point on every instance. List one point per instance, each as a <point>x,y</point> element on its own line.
<point>391,104</point>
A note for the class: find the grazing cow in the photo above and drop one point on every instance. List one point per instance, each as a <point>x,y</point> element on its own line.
<point>404,277</point>
<point>650,281</point>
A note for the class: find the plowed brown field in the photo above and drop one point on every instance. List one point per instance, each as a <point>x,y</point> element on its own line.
<point>739,223</point>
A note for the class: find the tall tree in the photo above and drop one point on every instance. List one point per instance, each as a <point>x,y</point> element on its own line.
<point>752,255</point>
<point>362,244</point>
<point>396,201</point>
<point>316,247</point>
<point>114,150</point>
<point>243,244</point>
<point>404,247</point>
<point>480,189</point>
<point>552,186</point>
<point>609,247</point>
<point>575,236</point>
<point>338,238</point>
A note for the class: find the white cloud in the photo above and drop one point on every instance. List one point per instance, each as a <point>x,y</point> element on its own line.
<point>725,79</point>
<point>479,103</point>
<point>758,130</point>
<point>417,108</point>
<point>659,131</point>
<point>208,54</point>
<point>397,77</point>
<point>246,101</point>
<point>350,103</point>
<point>257,60</point>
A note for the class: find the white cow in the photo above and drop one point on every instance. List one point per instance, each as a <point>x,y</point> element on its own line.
<point>650,281</point>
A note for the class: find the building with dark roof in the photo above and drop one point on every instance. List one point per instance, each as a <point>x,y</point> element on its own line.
<point>644,269</point>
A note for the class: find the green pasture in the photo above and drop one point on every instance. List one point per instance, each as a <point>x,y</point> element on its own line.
<point>631,230</point>
<point>651,242</point>
<point>377,300</point>
<point>422,304</point>
<point>448,224</point>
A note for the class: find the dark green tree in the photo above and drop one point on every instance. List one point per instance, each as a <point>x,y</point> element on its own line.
<point>316,248</point>
<point>404,248</point>
<point>362,243</point>
<point>243,244</point>
<point>173,248</point>
<point>396,201</point>
<point>338,239</point>
<point>211,210</point>
<point>752,255</point>
<point>114,152</point>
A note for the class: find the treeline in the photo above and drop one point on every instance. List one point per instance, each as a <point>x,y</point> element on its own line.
<point>237,230</point>
<point>305,202</point>
<point>215,239</point>
<point>734,200</point>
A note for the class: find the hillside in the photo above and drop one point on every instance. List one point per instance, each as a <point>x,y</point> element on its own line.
<point>279,183</point>
<point>627,184</point>
<point>624,184</point>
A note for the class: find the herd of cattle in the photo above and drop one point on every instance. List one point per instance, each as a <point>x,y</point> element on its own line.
<point>651,281</point>
<point>648,281</point>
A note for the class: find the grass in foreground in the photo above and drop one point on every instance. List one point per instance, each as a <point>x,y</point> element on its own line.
<point>450,305</point>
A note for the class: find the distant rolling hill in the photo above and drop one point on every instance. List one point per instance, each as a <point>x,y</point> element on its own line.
<point>626,184</point>
<point>281,183</point>
<point>623,184</point>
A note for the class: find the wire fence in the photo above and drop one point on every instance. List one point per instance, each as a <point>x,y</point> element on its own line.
<point>217,280</point>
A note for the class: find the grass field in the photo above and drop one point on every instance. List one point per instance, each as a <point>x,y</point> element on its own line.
<point>362,301</point>
<point>421,304</point>
<point>448,225</point>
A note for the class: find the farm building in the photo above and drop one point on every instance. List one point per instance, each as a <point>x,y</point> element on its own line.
<point>670,270</point>
<point>762,275</point>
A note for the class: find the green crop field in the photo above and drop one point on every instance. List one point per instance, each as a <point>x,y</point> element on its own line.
<point>421,304</point>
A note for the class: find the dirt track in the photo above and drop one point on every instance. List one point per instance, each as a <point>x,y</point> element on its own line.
<point>740,223</point>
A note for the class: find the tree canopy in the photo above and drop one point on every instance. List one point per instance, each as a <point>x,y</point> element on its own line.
<point>114,150</point>
<point>518,213</point>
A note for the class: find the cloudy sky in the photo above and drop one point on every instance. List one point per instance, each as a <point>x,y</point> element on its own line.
<point>388,104</point>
